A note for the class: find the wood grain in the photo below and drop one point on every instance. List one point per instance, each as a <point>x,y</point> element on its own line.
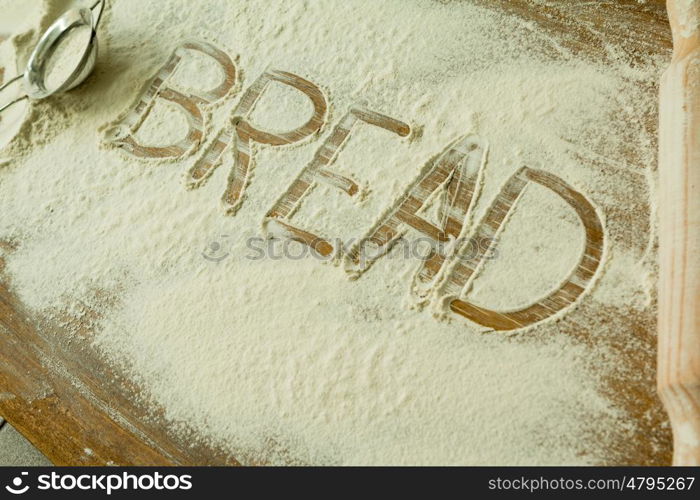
<point>78,409</point>
<point>679,236</point>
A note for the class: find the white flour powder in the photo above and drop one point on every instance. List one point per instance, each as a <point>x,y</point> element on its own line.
<point>292,351</point>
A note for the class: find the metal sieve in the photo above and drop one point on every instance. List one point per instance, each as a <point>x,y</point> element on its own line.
<point>35,74</point>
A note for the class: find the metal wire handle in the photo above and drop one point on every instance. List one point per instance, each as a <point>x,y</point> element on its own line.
<point>11,103</point>
<point>19,77</point>
<point>99,15</point>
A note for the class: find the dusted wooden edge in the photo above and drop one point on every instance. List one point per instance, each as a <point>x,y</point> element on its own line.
<point>51,412</point>
<point>71,405</point>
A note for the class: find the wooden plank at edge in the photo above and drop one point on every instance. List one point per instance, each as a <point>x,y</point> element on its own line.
<point>60,420</point>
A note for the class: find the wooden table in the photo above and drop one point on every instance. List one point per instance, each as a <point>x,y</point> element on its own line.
<point>78,410</point>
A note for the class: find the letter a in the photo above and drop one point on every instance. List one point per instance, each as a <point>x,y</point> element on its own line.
<point>456,173</point>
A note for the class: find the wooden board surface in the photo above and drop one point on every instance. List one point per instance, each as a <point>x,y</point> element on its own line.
<point>77,410</point>
<point>679,236</point>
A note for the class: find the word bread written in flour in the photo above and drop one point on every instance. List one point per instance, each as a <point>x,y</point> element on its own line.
<point>455,175</point>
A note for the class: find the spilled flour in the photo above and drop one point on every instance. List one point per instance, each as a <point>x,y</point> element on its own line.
<point>228,334</point>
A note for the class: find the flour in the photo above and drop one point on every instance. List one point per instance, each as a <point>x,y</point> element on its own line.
<point>197,71</point>
<point>15,18</point>
<point>688,17</point>
<point>292,351</point>
<point>165,125</point>
<point>536,240</point>
<point>67,57</point>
